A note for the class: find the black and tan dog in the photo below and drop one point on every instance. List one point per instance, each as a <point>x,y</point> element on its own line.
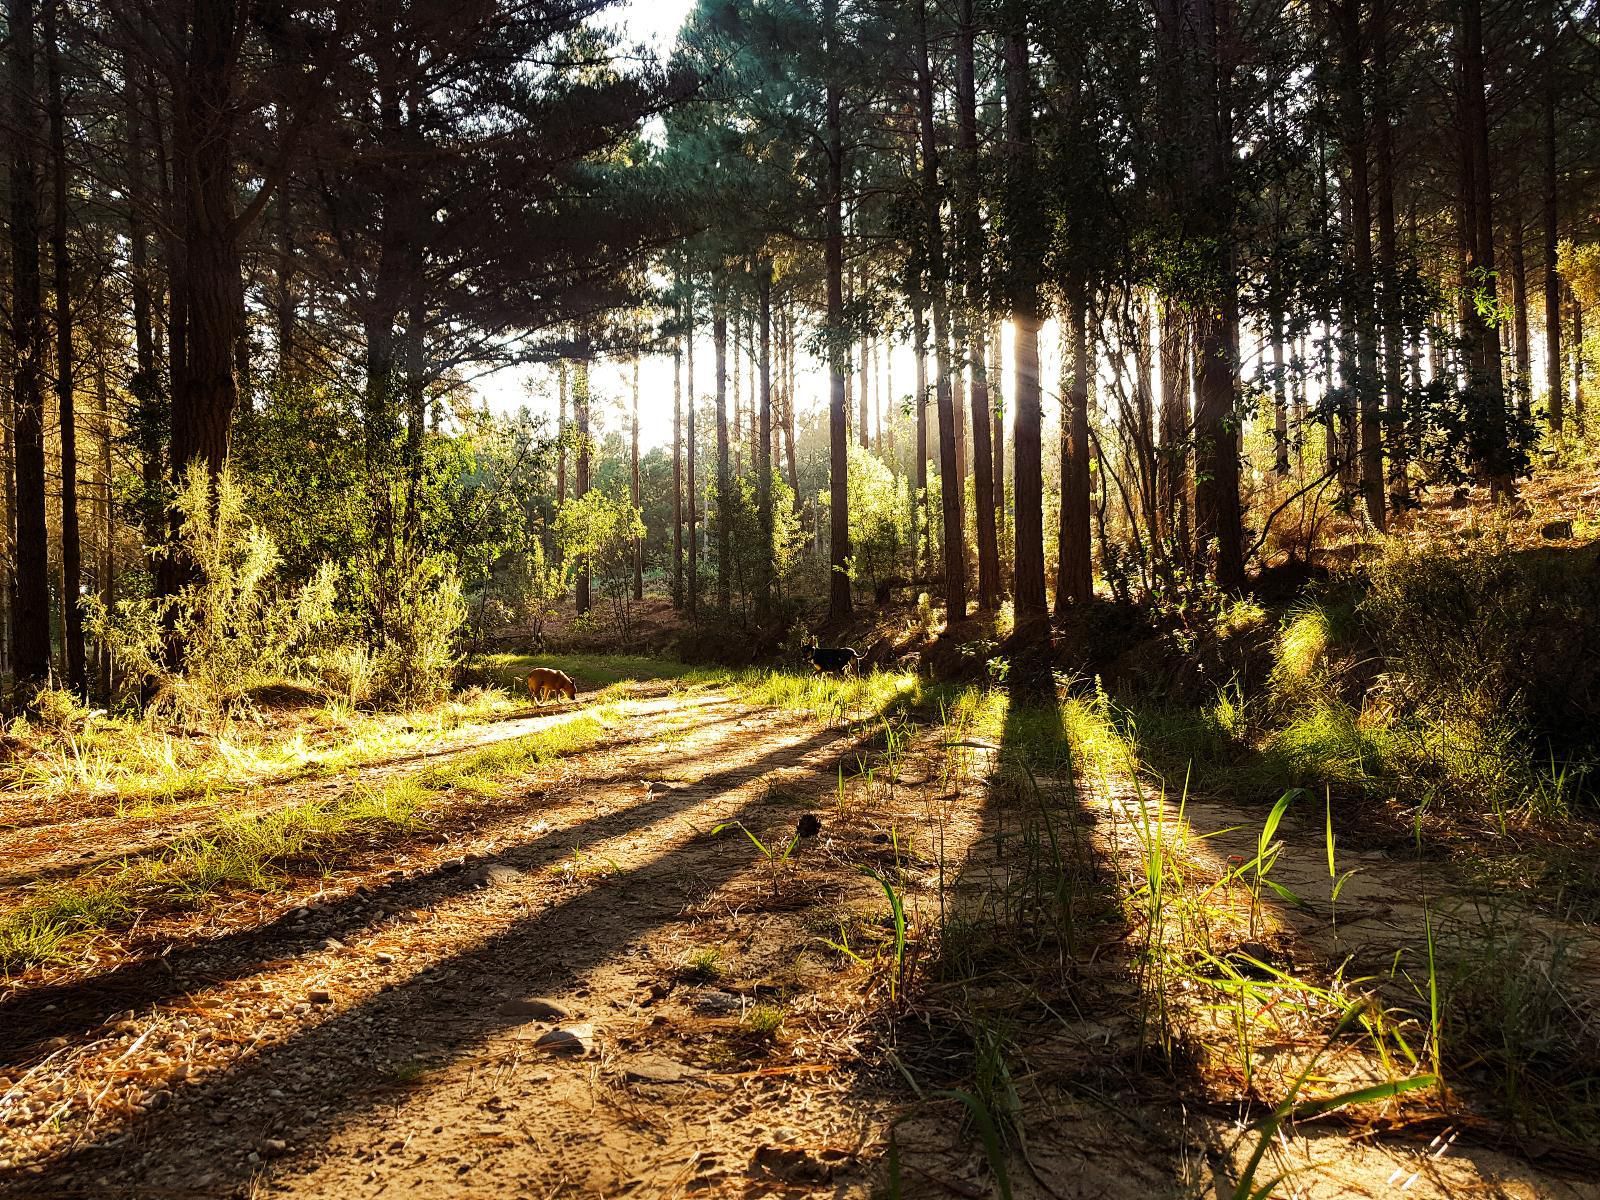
<point>835,660</point>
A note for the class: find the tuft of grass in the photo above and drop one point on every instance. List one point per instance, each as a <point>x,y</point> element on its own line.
<point>763,1021</point>
<point>702,966</point>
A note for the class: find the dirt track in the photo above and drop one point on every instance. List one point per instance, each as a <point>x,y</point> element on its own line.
<point>378,1033</point>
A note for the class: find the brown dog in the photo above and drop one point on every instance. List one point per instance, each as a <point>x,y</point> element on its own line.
<point>543,681</point>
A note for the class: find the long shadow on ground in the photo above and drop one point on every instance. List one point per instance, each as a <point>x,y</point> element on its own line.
<point>440,1015</point>
<point>35,1015</point>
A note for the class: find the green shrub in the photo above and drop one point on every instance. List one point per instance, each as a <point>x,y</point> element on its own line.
<point>238,626</point>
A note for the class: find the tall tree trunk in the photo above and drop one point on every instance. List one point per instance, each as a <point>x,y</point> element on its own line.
<point>1075,583</point>
<point>145,384</point>
<point>561,432</point>
<point>983,476</point>
<point>633,439</point>
<point>1218,516</point>
<point>789,351</point>
<point>692,590</point>
<point>719,342</point>
<point>1173,476</point>
<point>838,362</point>
<point>1519,307</point>
<point>71,542</point>
<point>203,407</point>
<point>997,450</point>
<point>677,473</point>
<point>580,487</point>
<point>1275,318</point>
<point>763,454</point>
<point>737,435</point>
<point>31,619</point>
<point>866,390</point>
<point>286,317</point>
<point>1485,378</point>
<point>108,538</point>
<point>921,522</point>
<point>1551,227</point>
<point>950,474</point>
<point>1027,421</point>
<point>1347,15</point>
<point>1394,334</point>
<point>1577,366</point>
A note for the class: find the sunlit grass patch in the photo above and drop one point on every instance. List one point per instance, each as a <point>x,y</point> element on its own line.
<point>511,670</point>
<point>832,697</point>
<point>258,851</point>
<point>142,764</point>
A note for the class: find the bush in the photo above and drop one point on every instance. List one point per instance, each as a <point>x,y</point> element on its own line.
<point>413,662</point>
<point>238,629</point>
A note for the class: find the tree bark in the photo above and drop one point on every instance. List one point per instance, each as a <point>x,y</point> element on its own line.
<point>1075,583</point>
<point>950,474</point>
<point>997,450</point>
<point>921,523</point>
<point>1551,228</point>
<point>1394,334</point>
<point>633,438</point>
<point>719,342</point>
<point>71,538</point>
<point>677,474</point>
<point>30,651</point>
<point>561,432</point>
<point>1484,351</point>
<point>580,487</point>
<point>763,454</point>
<point>204,404</point>
<point>1521,355</point>
<point>145,384</point>
<point>836,339</point>
<point>1364,377</point>
<point>1218,516</point>
<point>1173,476</point>
<point>1027,421</point>
<point>692,565</point>
<point>789,351</point>
<point>983,476</point>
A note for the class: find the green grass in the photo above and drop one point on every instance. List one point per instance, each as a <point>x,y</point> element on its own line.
<point>832,698</point>
<point>511,670</point>
<point>258,851</point>
<point>144,764</point>
<point>763,1021</point>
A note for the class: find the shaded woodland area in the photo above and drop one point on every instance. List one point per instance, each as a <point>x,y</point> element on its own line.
<point>1184,407</point>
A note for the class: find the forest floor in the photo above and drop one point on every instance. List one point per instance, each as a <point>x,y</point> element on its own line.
<point>736,937</point>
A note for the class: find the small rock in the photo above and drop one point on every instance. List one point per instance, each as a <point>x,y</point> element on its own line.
<point>274,1146</point>
<point>534,1008</point>
<point>575,1039</point>
<point>332,943</point>
<point>655,1069</point>
<point>384,957</point>
<point>497,875</point>
<point>320,996</point>
<point>1555,531</point>
<point>714,1001</point>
